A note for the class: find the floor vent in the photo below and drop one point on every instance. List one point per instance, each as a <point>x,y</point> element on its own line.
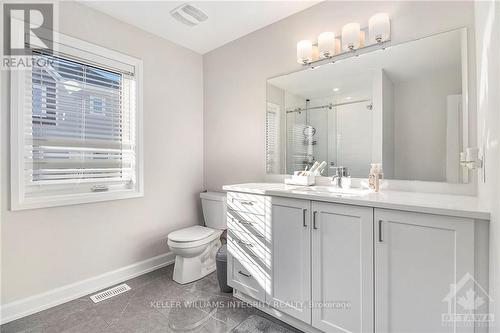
<point>110,293</point>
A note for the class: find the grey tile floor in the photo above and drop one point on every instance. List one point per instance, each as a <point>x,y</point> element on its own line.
<point>155,304</point>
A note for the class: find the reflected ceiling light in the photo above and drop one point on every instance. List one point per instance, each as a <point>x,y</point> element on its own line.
<point>328,45</point>
<point>351,34</point>
<point>304,51</point>
<point>379,27</point>
<point>336,89</point>
<point>348,98</point>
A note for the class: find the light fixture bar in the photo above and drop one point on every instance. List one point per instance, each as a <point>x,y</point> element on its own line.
<point>349,54</point>
<point>352,39</point>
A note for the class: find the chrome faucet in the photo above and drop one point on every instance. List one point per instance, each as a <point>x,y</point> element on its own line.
<point>339,173</point>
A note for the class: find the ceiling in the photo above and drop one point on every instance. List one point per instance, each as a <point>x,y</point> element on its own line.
<point>227,20</point>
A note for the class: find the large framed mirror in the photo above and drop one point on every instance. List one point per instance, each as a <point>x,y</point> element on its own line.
<point>404,106</point>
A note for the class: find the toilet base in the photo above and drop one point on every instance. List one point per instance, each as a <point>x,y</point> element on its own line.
<point>187,270</point>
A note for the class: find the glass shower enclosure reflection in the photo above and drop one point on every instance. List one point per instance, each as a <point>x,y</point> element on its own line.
<point>329,129</point>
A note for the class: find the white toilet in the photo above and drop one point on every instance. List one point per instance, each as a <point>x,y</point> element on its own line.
<point>195,247</point>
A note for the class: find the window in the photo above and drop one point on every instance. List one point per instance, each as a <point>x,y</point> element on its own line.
<point>272,138</point>
<point>75,127</point>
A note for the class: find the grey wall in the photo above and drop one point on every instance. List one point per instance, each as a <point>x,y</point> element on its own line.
<point>44,249</point>
<point>488,69</point>
<point>235,75</point>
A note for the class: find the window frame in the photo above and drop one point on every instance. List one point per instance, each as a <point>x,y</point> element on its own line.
<point>91,54</point>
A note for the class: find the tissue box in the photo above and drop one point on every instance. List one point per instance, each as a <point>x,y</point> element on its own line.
<point>301,180</point>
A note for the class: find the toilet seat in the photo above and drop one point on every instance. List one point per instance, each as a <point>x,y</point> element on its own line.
<point>192,237</point>
<point>190,234</point>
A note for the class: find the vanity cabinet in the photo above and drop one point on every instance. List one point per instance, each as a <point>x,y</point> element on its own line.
<point>335,267</point>
<point>290,282</point>
<point>417,258</point>
<point>342,268</point>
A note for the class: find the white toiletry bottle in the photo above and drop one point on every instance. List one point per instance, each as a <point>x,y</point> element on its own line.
<point>379,175</point>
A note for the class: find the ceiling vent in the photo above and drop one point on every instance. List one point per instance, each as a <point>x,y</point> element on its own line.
<point>188,14</point>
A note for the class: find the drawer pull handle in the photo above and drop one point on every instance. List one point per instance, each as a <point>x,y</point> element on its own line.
<point>380,238</point>
<point>245,243</point>
<point>242,221</point>
<point>243,202</point>
<point>246,222</point>
<point>304,224</point>
<point>245,275</point>
<point>314,220</point>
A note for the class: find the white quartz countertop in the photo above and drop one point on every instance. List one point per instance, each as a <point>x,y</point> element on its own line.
<point>431,203</point>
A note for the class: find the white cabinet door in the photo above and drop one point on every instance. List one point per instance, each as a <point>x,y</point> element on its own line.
<point>342,268</point>
<point>290,283</point>
<point>418,257</point>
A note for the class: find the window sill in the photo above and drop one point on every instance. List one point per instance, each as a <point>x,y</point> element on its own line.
<point>74,199</point>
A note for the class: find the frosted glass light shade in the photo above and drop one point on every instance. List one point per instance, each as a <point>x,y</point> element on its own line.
<point>351,36</point>
<point>326,44</point>
<point>304,51</point>
<point>379,27</point>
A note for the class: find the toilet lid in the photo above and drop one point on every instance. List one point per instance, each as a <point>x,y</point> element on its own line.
<point>191,234</point>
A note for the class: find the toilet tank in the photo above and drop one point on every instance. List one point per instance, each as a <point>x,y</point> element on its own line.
<point>214,209</point>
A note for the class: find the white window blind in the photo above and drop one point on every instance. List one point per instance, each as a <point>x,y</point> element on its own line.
<point>272,138</point>
<point>79,127</point>
<point>77,131</point>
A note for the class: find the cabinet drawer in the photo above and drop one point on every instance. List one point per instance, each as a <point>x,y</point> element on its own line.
<point>244,202</point>
<point>251,223</point>
<point>247,277</point>
<point>243,245</point>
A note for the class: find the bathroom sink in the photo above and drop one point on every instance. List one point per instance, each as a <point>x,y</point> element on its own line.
<point>336,190</point>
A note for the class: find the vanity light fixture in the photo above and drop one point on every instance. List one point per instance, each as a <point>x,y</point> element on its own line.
<point>304,52</point>
<point>328,45</point>
<point>351,36</point>
<point>352,42</point>
<point>379,28</point>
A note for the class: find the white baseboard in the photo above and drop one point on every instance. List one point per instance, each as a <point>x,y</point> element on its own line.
<point>26,306</point>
